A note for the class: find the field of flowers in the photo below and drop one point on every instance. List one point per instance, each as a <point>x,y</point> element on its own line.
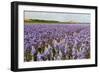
<point>44,42</point>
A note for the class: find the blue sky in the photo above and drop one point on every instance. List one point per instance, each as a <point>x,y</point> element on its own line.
<point>76,17</point>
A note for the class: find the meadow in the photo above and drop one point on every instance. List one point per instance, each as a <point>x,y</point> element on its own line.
<point>48,42</point>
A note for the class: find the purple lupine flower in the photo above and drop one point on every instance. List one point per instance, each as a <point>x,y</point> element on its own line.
<point>73,35</point>
<point>39,57</point>
<point>74,52</point>
<point>33,51</point>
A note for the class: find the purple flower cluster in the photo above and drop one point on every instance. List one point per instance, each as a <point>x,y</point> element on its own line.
<point>44,42</point>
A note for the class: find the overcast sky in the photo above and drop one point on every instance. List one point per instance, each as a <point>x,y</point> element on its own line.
<point>76,17</point>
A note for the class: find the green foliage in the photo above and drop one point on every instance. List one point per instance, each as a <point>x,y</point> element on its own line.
<point>39,21</point>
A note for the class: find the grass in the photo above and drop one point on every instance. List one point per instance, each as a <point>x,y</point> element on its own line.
<point>37,21</point>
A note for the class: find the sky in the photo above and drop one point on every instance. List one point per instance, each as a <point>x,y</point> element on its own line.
<point>58,16</point>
